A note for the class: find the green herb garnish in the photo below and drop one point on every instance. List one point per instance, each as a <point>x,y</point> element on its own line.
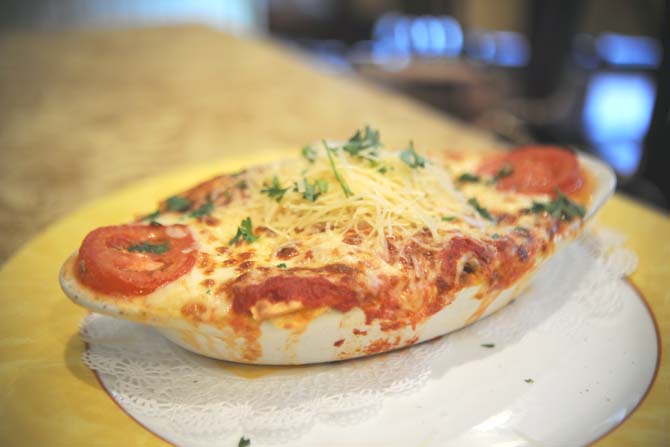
<point>275,191</point>
<point>152,216</point>
<point>244,231</point>
<point>411,158</point>
<point>448,218</point>
<point>322,184</point>
<point>309,153</point>
<point>560,208</point>
<point>146,247</point>
<point>495,236</point>
<point>345,187</point>
<point>468,178</point>
<point>244,442</point>
<point>176,203</point>
<point>505,171</point>
<point>368,139</point>
<point>313,191</point>
<point>204,210</point>
<point>480,209</point>
<point>282,265</point>
<point>488,345</point>
<point>529,380</point>
<point>522,230</point>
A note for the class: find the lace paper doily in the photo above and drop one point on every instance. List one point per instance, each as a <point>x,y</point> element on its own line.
<point>196,401</point>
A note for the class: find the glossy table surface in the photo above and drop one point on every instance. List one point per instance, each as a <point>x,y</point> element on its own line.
<point>85,113</point>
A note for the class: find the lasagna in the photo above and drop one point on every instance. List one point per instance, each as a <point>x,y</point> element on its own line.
<point>378,246</point>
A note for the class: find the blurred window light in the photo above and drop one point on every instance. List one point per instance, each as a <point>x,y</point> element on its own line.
<point>623,156</point>
<point>434,36</point>
<point>383,27</point>
<point>480,46</point>
<point>616,116</point>
<point>401,35</point>
<point>420,35</point>
<point>584,51</point>
<point>629,51</point>
<point>512,49</point>
<point>503,48</point>
<point>437,36</point>
<point>391,44</point>
<point>453,34</point>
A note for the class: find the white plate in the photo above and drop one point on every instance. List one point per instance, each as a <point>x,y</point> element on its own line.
<point>572,358</point>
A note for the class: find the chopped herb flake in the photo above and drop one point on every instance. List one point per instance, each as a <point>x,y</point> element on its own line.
<point>481,210</point>
<point>322,184</point>
<point>152,216</point>
<point>361,141</point>
<point>309,153</point>
<point>449,218</point>
<point>560,208</point>
<point>345,187</point>
<point>241,184</point>
<point>313,191</point>
<point>468,178</point>
<point>411,158</point>
<point>495,236</point>
<point>244,442</point>
<point>146,247</point>
<point>522,230</point>
<point>204,210</point>
<point>244,231</point>
<point>176,203</point>
<point>282,265</point>
<point>275,191</point>
<point>529,380</point>
<point>505,171</point>
<point>488,345</point>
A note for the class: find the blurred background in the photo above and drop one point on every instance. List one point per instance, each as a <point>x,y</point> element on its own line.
<point>591,74</point>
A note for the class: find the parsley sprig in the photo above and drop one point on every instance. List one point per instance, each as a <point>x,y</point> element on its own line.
<point>203,210</point>
<point>275,191</point>
<point>176,203</point>
<point>314,190</point>
<point>560,208</point>
<point>480,209</point>
<point>468,178</point>
<point>146,247</point>
<point>309,153</point>
<point>244,231</point>
<point>152,216</point>
<point>360,141</point>
<point>505,171</point>
<point>340,180</point>
<point>522,230</point>
<point>411,158</point>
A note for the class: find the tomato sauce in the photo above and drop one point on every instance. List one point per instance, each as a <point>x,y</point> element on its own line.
<point>311,292</point>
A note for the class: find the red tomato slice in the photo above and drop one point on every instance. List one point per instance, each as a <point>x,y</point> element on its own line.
<point>537,170</point>
<point>135,259</point>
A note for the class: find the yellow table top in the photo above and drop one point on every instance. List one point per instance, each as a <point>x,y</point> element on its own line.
<point>88,112</point>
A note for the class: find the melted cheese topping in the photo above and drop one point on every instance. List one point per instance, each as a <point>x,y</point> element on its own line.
<point>389,199</point>
<point>391,203</point>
